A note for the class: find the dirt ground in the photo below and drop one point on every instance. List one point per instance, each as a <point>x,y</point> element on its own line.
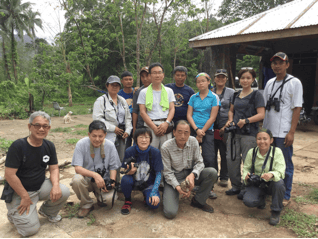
<point>230,219</point>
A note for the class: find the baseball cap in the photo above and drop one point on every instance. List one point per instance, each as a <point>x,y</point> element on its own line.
<point>281,55</point>
<point>145,68</point>
<point>221,72</point>
<point>113,79</point>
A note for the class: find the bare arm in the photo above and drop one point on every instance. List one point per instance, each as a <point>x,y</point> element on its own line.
<point>289,139</point>
<point>189,117</point>
<point>164,126</point>
<point>134,119</point>
<point>214,113</point>
<point>146,118</point>
<point>255,118</point>
<point>12,178</point>
<point>56,192</point>
<point>230,114</point>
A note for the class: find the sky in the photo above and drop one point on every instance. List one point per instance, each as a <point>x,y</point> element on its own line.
<point>53,16</point>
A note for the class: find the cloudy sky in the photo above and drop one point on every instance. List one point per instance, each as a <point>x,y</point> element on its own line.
<point>53,16</point>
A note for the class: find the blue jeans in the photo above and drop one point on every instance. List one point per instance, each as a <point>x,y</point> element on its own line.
<point>127,185</point>
<point>288,153</point>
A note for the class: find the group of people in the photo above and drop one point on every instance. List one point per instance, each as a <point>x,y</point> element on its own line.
<point>176,136</point>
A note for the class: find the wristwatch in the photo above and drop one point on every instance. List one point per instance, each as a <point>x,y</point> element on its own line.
<point>169,123</point>
<point>195,175</point>
<point>247,121</point>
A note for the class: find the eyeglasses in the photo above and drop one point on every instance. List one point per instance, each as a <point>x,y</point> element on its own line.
<point>38,126</point>
<point>247,68</point>
<point>156,73</point>
<point>221,71</point>
<point>143,137</point>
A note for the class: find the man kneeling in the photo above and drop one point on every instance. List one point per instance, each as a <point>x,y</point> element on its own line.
<point>264,171</point>
<point>25,167</point>
<point>182,161</point>
<point>95,160</point>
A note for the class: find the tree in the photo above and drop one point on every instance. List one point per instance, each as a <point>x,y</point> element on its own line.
<point>235,10</point>
<point>34,20</point>
<point>15,20</point>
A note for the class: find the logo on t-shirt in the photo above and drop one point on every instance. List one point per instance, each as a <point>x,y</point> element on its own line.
<point>46,158</point>
<point>179,100</point>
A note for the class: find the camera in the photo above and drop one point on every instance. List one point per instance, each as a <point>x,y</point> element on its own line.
<point>230,128</point>
<point>100,172</point>
<point>108,183</point>
<point>130,160</point>
<point>121,126</point>
<point>246,129</point>
<point>273,102</point>
<point>256,181</point>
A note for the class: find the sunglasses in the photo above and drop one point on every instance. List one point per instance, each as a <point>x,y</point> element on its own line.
<point>247,68</point>
<point>221,71</point>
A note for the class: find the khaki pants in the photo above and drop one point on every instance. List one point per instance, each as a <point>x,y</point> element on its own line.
<point>28,225</point>
<point>82,186</point>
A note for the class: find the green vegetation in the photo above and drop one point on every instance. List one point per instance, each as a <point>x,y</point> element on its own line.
<point>311,198</point>
<point>72,141</point>
<point>5,144</point>
<point>62,129</point>
<point>302,224</point>
<point>92,219</point>
<point>71,210</point>
<point>80,126</point>
<point>81,132</point>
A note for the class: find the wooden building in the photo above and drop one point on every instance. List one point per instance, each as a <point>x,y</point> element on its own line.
<point>291,28</point>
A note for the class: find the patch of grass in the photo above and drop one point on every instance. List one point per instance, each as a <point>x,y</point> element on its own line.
<point>71,210</point>
<point>311,198</point>
<point>72,141</point>
<point>92,219</point>
<point>80,132</point>
<point>302,224</point>
<point>80,126</point>
<point>62,129</point>
<point>5,143</point>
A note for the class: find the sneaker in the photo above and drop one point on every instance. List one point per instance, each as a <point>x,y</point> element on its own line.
<point>232,192</point>
<point>125,210</point>
<point>240,195</point>
<point>56,218</point>
<point>212,195</point>
<point>274,219</point>
<point>195,189</point>
<point>223,183</point>
<point>205,207</point>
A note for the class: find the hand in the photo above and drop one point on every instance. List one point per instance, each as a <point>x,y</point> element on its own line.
<point>289,139</point>
<point>200,133</point>
<point>183,193</point>
<point>154,200</point>
<point>241,123</point>
<point>221,132</point>
<point>56,193</point>
<point>25,205</point>
<point>158,131</point>
<point>133,169</point>
<point>125,135</point>
<point>199,139</point>
<point>164,126</point>
<point>228,123</point>
<point>247,176</point>
<point>99,181</point>
<point>267,176</point>
<point>119,131</point>
<point>191,179</point>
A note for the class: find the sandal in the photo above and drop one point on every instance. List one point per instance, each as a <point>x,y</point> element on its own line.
<point>125,210</point>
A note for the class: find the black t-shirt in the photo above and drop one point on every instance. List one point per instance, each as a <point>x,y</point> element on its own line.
<point>32,171</point>
<point>243,108</point>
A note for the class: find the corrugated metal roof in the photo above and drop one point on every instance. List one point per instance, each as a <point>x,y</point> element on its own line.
<point>296,14</point>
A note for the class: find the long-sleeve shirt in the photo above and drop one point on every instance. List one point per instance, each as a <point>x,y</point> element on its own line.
<point>278,169</point>
<point>176,159</point>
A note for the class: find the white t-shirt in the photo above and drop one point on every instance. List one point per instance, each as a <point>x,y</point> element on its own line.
<point>156,112</point>
<point>292,96</point>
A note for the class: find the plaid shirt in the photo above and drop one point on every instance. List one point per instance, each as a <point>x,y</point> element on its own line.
<point>176,159</point>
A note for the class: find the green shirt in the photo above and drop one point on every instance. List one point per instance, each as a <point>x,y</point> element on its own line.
<point>278,169</point>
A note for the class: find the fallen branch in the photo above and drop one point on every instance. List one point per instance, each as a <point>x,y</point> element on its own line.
<point>62,165</point>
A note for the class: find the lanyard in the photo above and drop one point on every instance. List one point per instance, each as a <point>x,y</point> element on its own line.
<point>280,87</point>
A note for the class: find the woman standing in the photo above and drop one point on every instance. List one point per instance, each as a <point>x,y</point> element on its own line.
<point>113,110</point>
<point>225,95</point>
<point>246,110</point>
<point>202,111</point>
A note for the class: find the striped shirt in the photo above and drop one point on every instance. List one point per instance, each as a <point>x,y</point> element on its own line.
<point>176,159</point>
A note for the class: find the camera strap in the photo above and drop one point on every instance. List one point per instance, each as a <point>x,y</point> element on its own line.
<point>255,150</point>
<point>280,87</point>
<point>102,153</point>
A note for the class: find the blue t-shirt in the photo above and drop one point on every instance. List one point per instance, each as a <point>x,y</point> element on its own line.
<point>182,95</point>
<point>156,161</point>
<point>128,98</point>
<point>202,108</point>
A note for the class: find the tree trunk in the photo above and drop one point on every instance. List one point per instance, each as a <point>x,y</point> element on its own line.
<point>6,66</point>
<point>123,40</point>
<point>43,97</point>
<point>13,53</point>
<point>69,91</point>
